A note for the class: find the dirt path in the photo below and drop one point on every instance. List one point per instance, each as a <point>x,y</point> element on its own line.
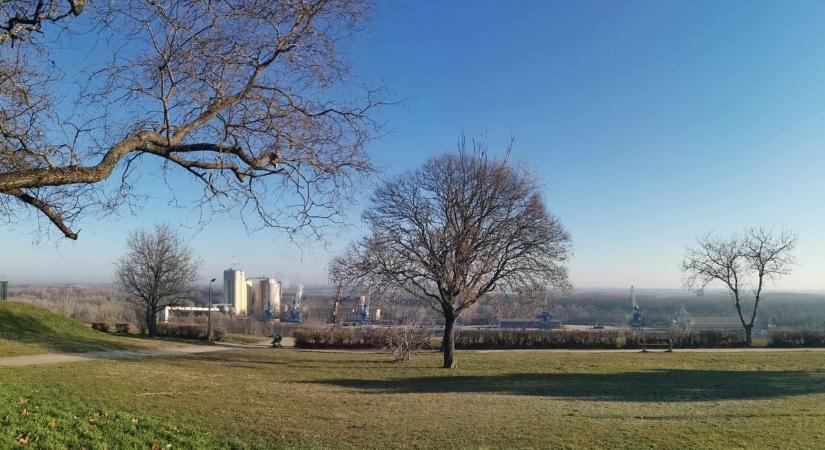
<point>178,350</point>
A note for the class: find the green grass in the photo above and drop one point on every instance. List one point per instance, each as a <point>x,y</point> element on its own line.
<point>26,330</point>
<point>245,339</point>
<point>271,398</point>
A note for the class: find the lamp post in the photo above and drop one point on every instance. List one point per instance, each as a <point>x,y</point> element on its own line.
<point>209,312</point>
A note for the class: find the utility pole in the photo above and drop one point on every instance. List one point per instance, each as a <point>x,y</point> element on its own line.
<point>209,313</point>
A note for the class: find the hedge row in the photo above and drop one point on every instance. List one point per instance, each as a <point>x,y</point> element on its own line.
<point>483,339</point>
<point>525,339</point>
<point>337,337</point>
<point>188,331</point>
<point>805,338</point>
<point>478,339</point>
<point>694,339</point>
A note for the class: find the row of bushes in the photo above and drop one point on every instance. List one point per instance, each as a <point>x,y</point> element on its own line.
<point>189,331</point>
<point>694,339</point>
<point>593,339</point>
<point>478,339</point>
<point>341,337</point>
<point>804,338</point>
<point>525,339</point>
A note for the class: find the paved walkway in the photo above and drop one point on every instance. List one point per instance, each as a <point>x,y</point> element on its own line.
<point>56,358</point>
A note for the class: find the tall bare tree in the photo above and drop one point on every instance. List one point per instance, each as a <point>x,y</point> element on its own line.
<point>460,227</point>
<point>158,270</point>
<point>743,264</point>
<point>251,99</point>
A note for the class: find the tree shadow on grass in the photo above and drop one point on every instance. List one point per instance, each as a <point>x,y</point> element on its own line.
<point>665,385</point>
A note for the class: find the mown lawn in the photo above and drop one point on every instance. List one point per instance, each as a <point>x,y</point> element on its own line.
<point>272,398</point>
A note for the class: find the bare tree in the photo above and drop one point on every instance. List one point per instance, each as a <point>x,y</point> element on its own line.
<point>743,264</point>
<point>20,18</point>
<point>460,227</point>
<point>159,270</point>
<point>251,99</point>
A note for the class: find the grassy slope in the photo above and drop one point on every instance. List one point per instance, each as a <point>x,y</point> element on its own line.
<point>26,330</point>
<point>276,398</point>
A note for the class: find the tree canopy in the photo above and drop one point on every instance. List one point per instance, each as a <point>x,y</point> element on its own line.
<point>252,100</point>
<point>460,227</point>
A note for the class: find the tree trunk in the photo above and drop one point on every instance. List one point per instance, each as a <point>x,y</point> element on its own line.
<point>748,333</point>
<point>448,342</point>
<point>151,322</point>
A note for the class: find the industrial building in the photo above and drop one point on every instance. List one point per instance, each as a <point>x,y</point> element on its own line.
<point>235,290</point>
<point>252,296</point>
<point>267,295</point>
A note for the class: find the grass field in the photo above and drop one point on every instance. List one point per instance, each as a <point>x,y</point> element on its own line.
<point>272,398</point>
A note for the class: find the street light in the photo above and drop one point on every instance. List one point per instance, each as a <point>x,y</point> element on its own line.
<point>209,312</point>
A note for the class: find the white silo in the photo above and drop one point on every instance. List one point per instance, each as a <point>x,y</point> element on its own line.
<point>253,300</point>
<point>269,293</point>
<point>235,290</point>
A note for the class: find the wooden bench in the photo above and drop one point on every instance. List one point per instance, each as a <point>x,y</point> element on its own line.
<point>662,344</point>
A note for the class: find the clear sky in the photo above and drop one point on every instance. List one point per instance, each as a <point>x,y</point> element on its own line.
<point>650,122</point>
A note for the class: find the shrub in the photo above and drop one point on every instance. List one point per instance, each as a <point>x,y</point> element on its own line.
<point>101,326</point>
<point>403,341</point>
<point>694,339</point>
<point>122,328</point>
<point>340,337</point>
<point>489,339</point>
<point>538,339</point>
<point>189,331</point>
<point>800,338</point>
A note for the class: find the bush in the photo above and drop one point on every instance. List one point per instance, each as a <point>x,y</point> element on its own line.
<point>101,326</point>
<point>538,339</point>
<point>337,337</point>
<point>189,331</point>
<point>695,339</point>
<point>122,328</point>
<point>403,341</point>
<point>492,339</point>
<point>801,338</point>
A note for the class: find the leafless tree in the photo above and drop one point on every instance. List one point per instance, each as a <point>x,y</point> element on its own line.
<point>460,227</point>
<point>20,18</point>
<point>159,270</point>
<point>251,99</point>
<point>743,264</point>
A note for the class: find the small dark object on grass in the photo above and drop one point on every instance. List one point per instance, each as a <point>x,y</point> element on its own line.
<point>276,340</point>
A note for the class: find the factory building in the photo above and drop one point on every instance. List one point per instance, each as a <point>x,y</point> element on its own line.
<point>235,290</point>
<point>251,298</point>
<point>265,292</point>
<point>269,293</point>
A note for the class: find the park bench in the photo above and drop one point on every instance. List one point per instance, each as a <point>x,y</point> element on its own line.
<point>660,344</point>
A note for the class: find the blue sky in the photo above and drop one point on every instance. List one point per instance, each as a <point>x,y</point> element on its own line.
<point>649,122</point>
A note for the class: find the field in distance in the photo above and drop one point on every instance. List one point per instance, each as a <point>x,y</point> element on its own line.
<point>269,398</point>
